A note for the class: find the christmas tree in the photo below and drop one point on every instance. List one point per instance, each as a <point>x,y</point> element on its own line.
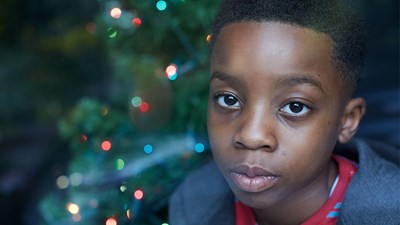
<point>130,149</point>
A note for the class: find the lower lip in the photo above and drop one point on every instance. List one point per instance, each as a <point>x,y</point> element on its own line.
<point>253,184</point>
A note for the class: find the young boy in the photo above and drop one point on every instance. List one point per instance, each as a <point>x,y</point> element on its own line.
<point>282,77</point>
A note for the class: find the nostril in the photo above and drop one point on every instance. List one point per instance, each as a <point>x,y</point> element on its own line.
<point>239,145</point>
<point>251,146</point>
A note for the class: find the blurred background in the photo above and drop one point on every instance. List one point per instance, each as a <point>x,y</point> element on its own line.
<point>103,104</point>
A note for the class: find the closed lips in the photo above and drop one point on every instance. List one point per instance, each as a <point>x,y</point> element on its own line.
<point>253,179</point>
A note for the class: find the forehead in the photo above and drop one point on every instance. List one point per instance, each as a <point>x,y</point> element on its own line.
<point>277,49</point>
<point>274,37</point>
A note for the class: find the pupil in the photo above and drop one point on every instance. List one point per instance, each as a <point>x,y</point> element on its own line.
<point>296,107</point>
<point>230,100</point>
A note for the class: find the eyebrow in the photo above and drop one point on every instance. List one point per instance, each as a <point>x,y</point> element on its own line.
<point>290,80</point>
<point>225,77</point>
<point>300,79</point>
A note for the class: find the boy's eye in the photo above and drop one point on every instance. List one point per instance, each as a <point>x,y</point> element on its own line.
<point>295,108</point>
<point>227,100</point>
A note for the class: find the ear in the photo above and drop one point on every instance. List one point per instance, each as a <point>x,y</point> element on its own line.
<point>353,112</point>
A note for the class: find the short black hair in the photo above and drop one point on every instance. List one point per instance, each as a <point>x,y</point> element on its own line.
<point>336,18</point>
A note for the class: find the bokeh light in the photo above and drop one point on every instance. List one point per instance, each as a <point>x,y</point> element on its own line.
<point>106,145</point>
<point>172,77</point>
<point>62,182</point>
<point>84,137</point>
<point>129,214</point>
<point>138,194</point>
<point>120,164</point>
<point>76,217</point>
<point>76,179</point>
<point>111,221</point>
<point>208,38</point>
<point>136,22</point>
<point>171,69</point>
<point>112,32</point>
<point>93,203</point>
<point>164,224</point>
<point>123,188</point>
<point>148,149</point>
<point>171,72</point>
<point>73,208</point>
<point>105,110</point>
<point>199,148</point>
<point>144,107</point>
<point>115,13</point>
<point>161,5</point>
<point>136,101</point>
<point>91,27</point>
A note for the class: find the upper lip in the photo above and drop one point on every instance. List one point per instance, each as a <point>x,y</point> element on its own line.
<point>252,171</point>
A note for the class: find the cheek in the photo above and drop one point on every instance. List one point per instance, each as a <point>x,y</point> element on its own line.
<point>324,129</point>
<point>219,137</point>
<point>217,124</point>
<point>310,146</point>
<point>321,139</point>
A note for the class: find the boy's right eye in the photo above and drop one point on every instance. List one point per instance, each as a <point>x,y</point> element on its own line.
<point>227,100</point>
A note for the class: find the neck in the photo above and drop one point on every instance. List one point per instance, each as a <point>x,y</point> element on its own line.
<point>297,208</point>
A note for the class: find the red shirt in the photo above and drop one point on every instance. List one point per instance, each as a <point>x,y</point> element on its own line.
<point>327,214</point>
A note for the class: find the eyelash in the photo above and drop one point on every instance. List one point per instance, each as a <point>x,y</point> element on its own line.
<point>304,107</point>
<point>218,97</point>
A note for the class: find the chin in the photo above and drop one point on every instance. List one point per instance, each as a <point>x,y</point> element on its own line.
<point>256,200</point>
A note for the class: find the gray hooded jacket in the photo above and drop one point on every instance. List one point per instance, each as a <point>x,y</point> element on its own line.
<point>373,196</point>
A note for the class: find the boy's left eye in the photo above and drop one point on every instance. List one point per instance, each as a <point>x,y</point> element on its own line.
<point>295,108</point>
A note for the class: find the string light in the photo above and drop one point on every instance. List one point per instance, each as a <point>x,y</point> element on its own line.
<point>136,101</point>
<point>73,208</point>
<point>105,110</point>
<point>173,77</point>
<point>76,217</point>
<point>120,164</point>
<point>76,179</point>
<point>148,149</point>
<point>115,13</point>
<point>138,194</point>
<point>129,214</point>
<point>106,145</point>
<point>161,5</point>
<point>112,32</point>
<point>90,27</point>
<point>199,148</point>
<point>136,22</point>
<point>144,107</point>
<point>171,71</point>
<point>62,182</point>
<point>93,203</point>
<point>208,38</point>
<point>84,137</point>
<point>111,221</point>
<point>123,188</point>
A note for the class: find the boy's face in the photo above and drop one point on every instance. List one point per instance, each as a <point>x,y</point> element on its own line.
<point>275,111</point>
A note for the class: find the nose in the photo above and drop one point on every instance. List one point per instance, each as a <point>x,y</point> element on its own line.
<point>256,131</point>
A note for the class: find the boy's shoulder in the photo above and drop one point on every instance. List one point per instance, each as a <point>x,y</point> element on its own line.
<point>373,195</point>
<point>202,198</point>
